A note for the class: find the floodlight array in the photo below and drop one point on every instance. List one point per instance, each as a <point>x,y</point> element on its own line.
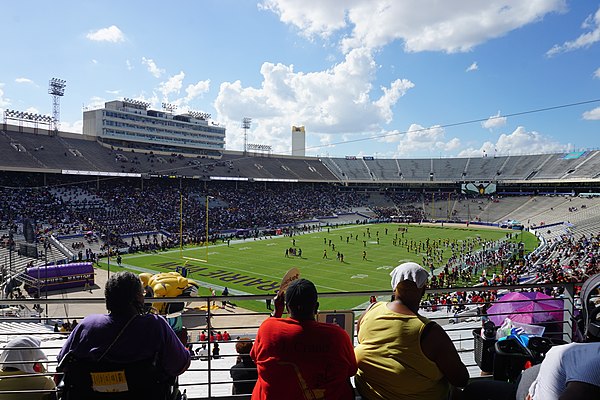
<point>57,86</point>
<point>27,116</point>
<point>246,122</point>
<point>142,105</point>
<point>260,147</point>
<point>199,115</point>
<point>169,107</point>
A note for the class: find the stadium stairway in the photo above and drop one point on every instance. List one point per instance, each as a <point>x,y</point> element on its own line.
<point>40,331</point>
<point>14,262</point>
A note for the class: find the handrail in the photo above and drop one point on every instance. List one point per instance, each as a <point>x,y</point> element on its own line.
<point>208,377</point>
<point>61,247</point>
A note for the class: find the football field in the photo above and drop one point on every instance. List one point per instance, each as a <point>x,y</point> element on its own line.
<point>369,252</point>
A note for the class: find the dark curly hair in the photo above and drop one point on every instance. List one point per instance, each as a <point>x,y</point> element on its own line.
<point>122,290</point>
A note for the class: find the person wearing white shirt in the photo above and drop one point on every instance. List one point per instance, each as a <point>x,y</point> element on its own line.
<point>570,371</point>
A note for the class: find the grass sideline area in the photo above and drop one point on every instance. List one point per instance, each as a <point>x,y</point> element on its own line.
<point>257,266</point>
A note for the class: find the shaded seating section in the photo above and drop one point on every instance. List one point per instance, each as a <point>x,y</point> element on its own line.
<point>557,166</point>
<point>307,169</point>
<point>416,169</point>
<point>383,169</point>
<point>52,152</point>
<point>348,169</point>
<point>67,151</point>
<point>102,158</point>
<point>484,168</point>
<point>520,167</point>
<point>278,168</point>
<point>15,155</point>
<point>449,169</point>
<point>588,166</point>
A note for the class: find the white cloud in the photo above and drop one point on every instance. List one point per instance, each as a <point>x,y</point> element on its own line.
<point>196,90</point>
<point>171,85</point>
<point>73,127</point>
<point>24,80</point>
<point>597,73</point>
<point>129,65</point>
<point>518,142</point>
<point>397,89</point>
<point>495,121</point>
<point>422,25</point>
<point>94,61</point>
<point>592,115</point>
<point>326,140</point>
<point>111,34</point>
<point>32,110</point>
<point>588,23</point>
<point>337,101</point>
<point>585,40</point>
<point>152,67</point>
<point>418,139</point>
<point>4,102</point>
<point>113,92</point>
<point>95,103</point>
<point>472,67</point>
<point>311,17</point>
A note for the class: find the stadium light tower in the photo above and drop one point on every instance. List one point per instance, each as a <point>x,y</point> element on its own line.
<point>246,122</point>
<point>56,89</point>
<point>169,107</point>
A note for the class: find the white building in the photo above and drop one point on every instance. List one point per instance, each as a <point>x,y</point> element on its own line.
<point>298,141</point>
<point>130,125</point>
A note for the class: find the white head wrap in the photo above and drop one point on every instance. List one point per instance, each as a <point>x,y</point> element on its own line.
<point>409,271</point>
<point>21,352</point>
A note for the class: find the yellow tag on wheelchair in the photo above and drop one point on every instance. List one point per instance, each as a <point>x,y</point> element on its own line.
<point>109,382</point>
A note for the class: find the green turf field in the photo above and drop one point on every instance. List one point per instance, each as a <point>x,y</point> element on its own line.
<point>257,266</point>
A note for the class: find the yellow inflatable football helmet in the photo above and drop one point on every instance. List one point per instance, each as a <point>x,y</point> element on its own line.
<point>168,284</point>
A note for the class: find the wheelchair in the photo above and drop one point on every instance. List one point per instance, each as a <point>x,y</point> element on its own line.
<point>90,380</point>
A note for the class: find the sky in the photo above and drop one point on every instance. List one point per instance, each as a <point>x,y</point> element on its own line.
<point>381,78</point>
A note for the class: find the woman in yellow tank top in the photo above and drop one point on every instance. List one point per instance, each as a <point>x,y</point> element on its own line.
<point>402,355</point>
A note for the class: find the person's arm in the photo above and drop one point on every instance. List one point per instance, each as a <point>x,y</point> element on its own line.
<point>580,390</point>
<point>358,321</point>
<point>438,347</point>
<point>176,358</point>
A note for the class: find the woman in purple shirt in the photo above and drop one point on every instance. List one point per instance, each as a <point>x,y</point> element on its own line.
<point>126,335</point>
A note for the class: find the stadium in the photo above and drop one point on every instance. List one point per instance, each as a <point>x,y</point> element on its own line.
<point>151,191</point>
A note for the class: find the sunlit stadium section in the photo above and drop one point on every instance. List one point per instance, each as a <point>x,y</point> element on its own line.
<point>208,377</point>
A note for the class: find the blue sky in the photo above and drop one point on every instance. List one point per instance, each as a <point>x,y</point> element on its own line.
<point>384,78</point>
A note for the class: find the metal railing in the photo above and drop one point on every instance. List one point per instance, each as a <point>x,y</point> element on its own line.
<point>208,377</point>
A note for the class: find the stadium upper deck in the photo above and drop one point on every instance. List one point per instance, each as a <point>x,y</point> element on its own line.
<point>27,149</point>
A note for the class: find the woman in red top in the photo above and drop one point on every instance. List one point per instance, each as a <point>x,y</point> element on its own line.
<point>298,357</point>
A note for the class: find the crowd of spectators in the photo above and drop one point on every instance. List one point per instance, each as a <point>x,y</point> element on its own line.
<point>117,209</point>
<point>568,259</point>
